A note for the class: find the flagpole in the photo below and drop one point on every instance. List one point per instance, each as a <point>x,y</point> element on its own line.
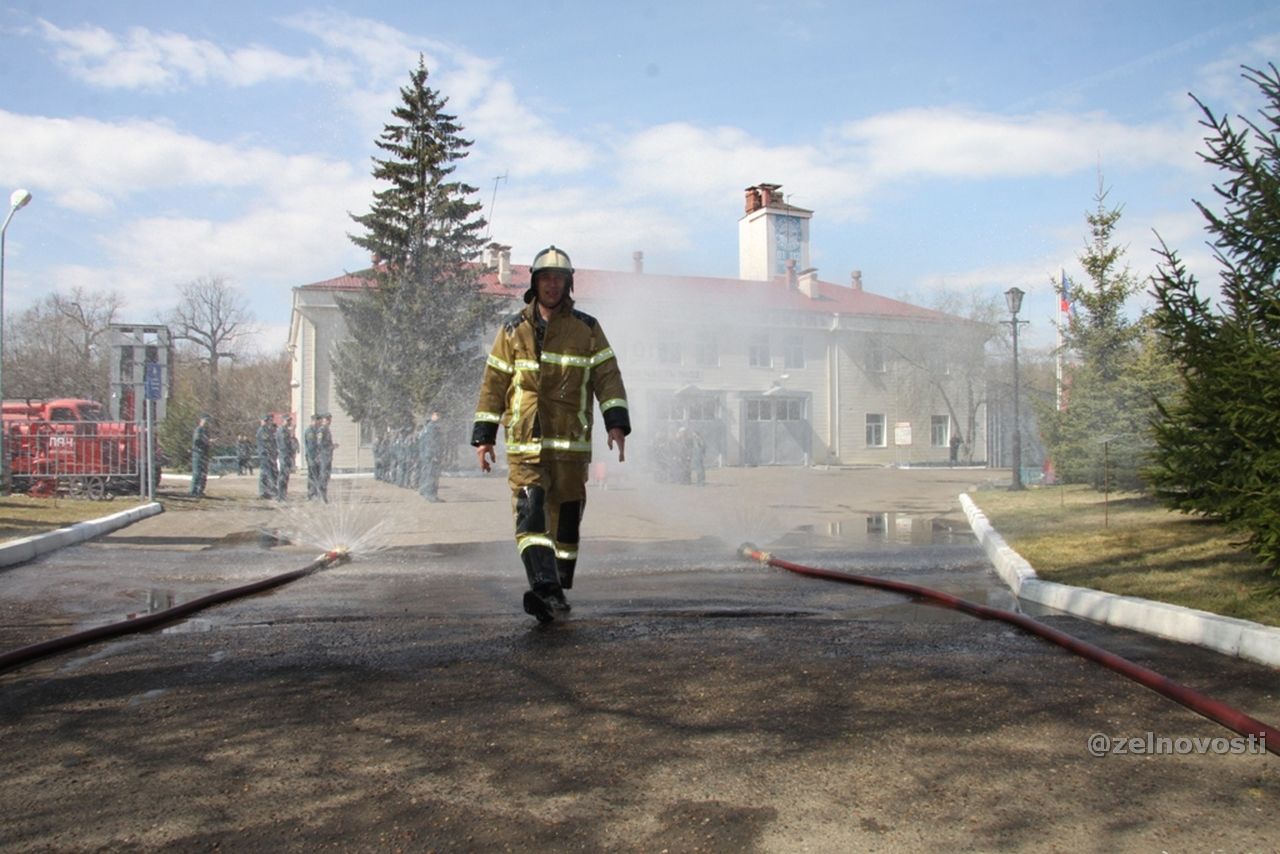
<point>1062,298</point>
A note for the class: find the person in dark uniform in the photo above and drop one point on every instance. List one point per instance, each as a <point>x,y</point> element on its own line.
<point>324,455</point>
<point>286,452</point>
<point>267,451</point>
<point>311,448</point>
<point>244,455</point>
<point>430,455</point>
<point>200,456</point>
<point>697,457</point>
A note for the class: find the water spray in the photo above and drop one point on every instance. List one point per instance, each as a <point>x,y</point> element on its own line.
<point>1215,710</point>
<point>25,655</point>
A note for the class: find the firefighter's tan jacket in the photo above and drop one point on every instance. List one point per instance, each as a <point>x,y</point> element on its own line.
<point>542,397</point>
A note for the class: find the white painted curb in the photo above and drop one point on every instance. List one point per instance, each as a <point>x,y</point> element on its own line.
<point>27,548</point>
<point>1240,638</point>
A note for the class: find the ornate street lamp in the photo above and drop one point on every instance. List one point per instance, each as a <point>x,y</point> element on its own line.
<point>1013,297</point>
<point>17,200</point>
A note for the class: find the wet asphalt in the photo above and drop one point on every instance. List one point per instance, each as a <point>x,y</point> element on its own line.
<point>692,701</point>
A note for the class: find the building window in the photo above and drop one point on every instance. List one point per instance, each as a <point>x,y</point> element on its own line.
<point>668,352</point>
<point>875,357</point>
<point>701,407</point>
<point>940,431</point>
<point>875,430</point>
<point>793,352</point>
<point>685,407</point>
<point>707,354</point>
<point>758,350</point>
<point>777,409</point>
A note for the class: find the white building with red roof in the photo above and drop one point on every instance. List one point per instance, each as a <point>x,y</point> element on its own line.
<point>775,367</point>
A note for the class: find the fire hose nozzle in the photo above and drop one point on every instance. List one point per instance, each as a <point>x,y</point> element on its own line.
<point>751,552</point>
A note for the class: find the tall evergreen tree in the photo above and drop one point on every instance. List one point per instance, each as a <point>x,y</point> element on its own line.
<point>415,334</point>
<point>1102,434</point>
<point>1218,449</point>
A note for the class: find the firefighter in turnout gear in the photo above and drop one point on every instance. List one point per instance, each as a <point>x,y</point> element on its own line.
<point>547,363</point>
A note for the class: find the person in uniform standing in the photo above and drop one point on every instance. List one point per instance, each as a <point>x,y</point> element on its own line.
<point>286,452</point>
<point>311,451</point>
<point>244,455</point>
<point>200,456</point>
<point>324,455</point>
<point>430,453</point>
<point>267,451</point>
<point>546,364</point>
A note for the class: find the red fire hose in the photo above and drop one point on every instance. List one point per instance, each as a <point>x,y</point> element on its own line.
<point>1215,710</point>
<point>25,655</point>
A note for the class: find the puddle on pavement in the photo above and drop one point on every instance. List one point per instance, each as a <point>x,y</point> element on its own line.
<point>160,599</point>
<point>890,528</point>
<point>263,538</point>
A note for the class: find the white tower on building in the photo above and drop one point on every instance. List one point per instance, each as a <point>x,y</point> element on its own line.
<point>770,234</point>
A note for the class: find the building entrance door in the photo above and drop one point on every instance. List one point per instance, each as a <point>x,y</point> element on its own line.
<point>775,432</point>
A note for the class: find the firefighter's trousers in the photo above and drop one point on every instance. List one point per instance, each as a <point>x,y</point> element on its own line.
<point>547,500</point>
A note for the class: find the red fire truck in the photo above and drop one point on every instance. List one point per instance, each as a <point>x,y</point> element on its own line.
<point>67,446</point>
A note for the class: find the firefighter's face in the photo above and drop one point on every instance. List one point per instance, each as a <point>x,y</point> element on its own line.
<point>551,286</point>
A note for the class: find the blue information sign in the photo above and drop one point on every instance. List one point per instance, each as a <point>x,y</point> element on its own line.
<point>151,380</point>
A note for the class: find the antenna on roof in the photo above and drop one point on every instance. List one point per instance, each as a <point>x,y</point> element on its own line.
<point>492,202</point>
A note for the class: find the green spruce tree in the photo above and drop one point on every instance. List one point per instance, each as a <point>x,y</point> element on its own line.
<point>1101,434</point>
<point>415,333</point>
<point>1218,447</point>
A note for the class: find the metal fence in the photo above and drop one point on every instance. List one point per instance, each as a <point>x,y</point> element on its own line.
<point>90,459</point>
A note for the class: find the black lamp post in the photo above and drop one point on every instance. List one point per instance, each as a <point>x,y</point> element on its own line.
<point>1013,297</point>
<point>17,201</point>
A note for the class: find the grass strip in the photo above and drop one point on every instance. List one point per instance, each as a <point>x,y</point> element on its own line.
<point>1129,544</point>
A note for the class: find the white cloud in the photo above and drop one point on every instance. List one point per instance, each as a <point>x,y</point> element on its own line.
<point>954,143</point>
<point>144,59</point>
<point>700,168</point>
<point>83,158</point>
<point>514,138</point>
<point>385,53</point>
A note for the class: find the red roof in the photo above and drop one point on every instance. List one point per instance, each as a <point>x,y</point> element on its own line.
<point>596,285</point>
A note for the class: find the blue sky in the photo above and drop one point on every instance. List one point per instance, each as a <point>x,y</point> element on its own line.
<point>942,145</point>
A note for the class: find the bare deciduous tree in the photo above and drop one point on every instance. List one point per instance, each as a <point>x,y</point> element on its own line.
<point>212,316</point>
<point>54,349</point>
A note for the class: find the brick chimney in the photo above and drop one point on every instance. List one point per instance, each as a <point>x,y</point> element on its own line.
<point>809,282</point>
<point>637,261</point>
<point>855,279</point>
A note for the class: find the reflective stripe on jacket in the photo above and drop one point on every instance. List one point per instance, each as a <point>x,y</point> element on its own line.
<point>543,399</point>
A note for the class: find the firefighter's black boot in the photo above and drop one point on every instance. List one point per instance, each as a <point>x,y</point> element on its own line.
<point>544,596</point>
<point>567,539</point>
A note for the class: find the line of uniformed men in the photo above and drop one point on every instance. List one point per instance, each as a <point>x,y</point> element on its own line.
<point>412,460</point>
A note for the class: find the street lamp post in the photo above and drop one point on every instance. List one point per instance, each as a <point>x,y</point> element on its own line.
<point>17,200</point>
<point>1013,297</point>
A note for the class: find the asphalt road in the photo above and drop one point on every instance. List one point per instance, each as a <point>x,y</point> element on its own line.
<point>693,702</point>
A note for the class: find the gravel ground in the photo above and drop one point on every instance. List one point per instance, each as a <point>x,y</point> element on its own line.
<point>693,702</point>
